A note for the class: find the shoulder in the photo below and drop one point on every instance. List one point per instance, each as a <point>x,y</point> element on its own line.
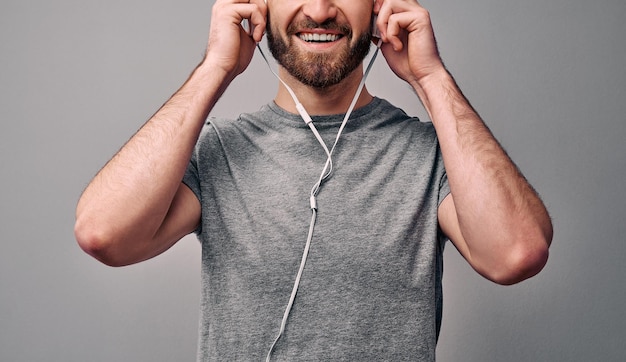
<point>217,128</point>
<point>390,118</point>
<point>269,118</point>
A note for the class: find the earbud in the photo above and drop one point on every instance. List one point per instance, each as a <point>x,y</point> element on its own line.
<point>375,31</point>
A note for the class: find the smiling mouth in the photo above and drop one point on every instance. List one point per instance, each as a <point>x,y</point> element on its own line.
<point>319,38</point>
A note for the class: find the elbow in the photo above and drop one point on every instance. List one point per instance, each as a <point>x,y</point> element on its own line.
<point>521,265</point>
<point>97,243</point>
<point>522,262</point>
<point>524,259</point>
<point>527,256</point>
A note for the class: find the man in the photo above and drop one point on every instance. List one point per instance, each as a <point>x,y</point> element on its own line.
<point>371,287</point>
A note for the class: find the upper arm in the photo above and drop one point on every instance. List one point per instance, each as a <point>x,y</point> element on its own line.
<point>449,225</point>
<point>183,217</point>
<point>501,264</point>
<point>100,239</point>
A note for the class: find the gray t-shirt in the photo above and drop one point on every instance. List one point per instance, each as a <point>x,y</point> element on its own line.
<point>371,289</point>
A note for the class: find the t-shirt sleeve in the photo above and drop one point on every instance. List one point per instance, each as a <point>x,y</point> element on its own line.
<point>192,180</point>
<point>444,191</point>
<point>444,187</point>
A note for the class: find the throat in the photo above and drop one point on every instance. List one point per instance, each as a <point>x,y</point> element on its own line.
<point>330,100</point>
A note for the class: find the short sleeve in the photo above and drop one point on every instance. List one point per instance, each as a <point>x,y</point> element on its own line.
<point>192,180</point>
<point>444,187</point>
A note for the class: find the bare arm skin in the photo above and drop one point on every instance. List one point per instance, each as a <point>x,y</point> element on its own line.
<point>493,216</point>
<point>136,207</point>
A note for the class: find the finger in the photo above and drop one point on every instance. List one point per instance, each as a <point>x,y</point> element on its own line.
<point>250,17</point>
<point>397,17</point>
<point>383,13</point>
<point>377,5</point>
<point>399,22</point>
<point>258,19</point>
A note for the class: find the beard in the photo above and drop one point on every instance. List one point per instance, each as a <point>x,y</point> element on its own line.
<point>318,70</point>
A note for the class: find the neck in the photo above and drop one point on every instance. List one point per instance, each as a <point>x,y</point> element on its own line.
<point>322,101</point>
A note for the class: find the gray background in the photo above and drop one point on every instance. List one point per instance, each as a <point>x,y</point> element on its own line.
<point>78,77</point>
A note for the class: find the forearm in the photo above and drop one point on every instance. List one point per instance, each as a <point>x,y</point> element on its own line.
<point>127,201</point>
<point>499,214</point>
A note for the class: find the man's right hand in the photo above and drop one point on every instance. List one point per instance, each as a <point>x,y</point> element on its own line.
<point>136,207</point>
<point>230,47</point>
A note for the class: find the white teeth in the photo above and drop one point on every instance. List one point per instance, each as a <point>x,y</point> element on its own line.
<point>308,37</point>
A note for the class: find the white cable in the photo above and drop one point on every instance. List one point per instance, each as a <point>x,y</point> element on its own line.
<point>326,172</point>
<point>303,113</point>
<point>329,164</point>
<point>294,291</point>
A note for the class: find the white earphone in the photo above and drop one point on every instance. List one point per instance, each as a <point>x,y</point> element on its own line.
<point>326,171</point>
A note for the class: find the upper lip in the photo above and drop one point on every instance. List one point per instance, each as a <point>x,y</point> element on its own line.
<point>318,34</point>
<point>318,37</point>
<point>319,31</point>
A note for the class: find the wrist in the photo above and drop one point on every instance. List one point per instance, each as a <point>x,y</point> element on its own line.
<point>213,68</point>
<point>431,87</point>
<point>434,79</point>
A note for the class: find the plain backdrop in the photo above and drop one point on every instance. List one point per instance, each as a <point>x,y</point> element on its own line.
<point>78,77</point>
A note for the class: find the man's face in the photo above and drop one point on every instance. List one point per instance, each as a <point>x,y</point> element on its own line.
<point>319,42</point>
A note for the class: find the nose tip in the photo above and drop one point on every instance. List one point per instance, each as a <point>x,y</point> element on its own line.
<point>320,10</point>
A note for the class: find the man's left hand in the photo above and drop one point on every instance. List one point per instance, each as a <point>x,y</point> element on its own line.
<point>409,44</point>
